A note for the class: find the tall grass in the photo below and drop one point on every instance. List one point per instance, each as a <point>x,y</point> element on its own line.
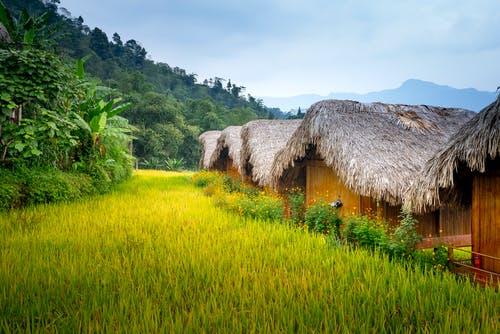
<point>156,255</point>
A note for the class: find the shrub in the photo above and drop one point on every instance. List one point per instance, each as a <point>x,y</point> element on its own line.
<point>235,185</point>
<point>212,182</point>
<point>322,218</point>
<point>242,199</point>
<point>152,163</point>
<point>296,199</point>
<point>436,258</point>
<point>405,238</point>
<point>10,190</point>
<point>365,232</point>
<point>47,185</point>
<point>24,187</point>
<point>203,178</point>
<point>265,206</point>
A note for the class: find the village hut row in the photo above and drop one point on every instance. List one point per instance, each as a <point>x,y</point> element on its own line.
<point>366,155</point>
<point>246,152</point>
<point>375,158</point>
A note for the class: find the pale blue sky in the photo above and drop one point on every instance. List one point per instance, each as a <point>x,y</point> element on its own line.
<point>291,47</point>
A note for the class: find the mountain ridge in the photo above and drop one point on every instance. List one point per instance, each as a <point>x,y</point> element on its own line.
<point>411,91</point>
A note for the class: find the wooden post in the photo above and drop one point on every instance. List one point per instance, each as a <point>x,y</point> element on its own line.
<point>450,257</point>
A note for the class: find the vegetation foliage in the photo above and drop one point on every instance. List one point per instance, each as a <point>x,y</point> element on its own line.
<point>322,218</point>
<point>237,197</point>
<point>158,256</point>
<point>355,230</point>
<point>296,205</point>
<point>54,120</point>
<point>169,107</point>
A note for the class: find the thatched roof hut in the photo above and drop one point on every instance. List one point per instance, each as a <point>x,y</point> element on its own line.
<point>208,141</point>
<point>4,34</point>
<point>261,140</point>
<point>226,156</point>
<point>465,173</point>
<point>375,149</point>
<point>470,150</point>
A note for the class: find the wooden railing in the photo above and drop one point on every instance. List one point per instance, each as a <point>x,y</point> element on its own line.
<point>453,240</point>
<point>472,266</point>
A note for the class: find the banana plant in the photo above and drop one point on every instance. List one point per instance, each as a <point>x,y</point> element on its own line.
<point>95,121</point>
<point>174,164</point>
<point>94,112</point>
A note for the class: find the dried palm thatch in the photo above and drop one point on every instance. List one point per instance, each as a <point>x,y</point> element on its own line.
<point>376,149</point>
<point>261,140</point>
<point>228,145</point>
<point>470,148</point>
<point>4,34</point>
<point>208,140</point>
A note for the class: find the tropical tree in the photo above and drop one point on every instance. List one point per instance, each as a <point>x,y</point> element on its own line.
<point>36,89</point>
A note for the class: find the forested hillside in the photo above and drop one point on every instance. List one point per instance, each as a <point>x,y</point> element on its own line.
<point>169,107</point>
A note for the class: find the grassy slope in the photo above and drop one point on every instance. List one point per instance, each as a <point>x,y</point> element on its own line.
<point>156,255</point>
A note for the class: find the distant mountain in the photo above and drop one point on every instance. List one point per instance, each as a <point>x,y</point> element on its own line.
<point>410,92</point>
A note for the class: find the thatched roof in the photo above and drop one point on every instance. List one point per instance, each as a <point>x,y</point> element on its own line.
<point>208,140</point>
<point>261,140</point>
<point>4,34</point>
<point>470,148</point>
<point>376,149</point>
<point>228,145</point>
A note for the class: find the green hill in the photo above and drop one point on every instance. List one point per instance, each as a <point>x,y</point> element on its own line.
<point>170,108</point>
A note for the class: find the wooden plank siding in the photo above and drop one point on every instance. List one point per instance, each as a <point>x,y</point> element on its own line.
<point>448,225</point>
<point>428,223</point>
<point>454,221</point>
<point>486,218</point>
<point>232,170</point>
<point>323,183</point>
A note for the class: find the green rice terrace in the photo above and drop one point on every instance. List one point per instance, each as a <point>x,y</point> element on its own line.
<point>157,255</point>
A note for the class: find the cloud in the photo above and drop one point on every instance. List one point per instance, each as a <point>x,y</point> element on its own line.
<point>289,47</point>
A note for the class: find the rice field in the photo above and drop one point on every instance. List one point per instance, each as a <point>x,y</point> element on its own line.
<point>157,256</point>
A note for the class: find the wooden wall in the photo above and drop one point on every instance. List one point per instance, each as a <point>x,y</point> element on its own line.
<point>428,224</point>
<point>454,220</point>
<point>486,217</point>
<point>232,170</point>
<point>323,183</point>
<point>293,177</point>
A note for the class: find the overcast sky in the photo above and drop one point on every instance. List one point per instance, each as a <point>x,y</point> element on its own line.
<point>291,47</point>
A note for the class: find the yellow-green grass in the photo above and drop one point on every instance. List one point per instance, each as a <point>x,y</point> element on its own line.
<point>158,256</point>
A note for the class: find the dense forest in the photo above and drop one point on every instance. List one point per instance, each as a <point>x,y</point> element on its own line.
<point>169,107</point>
